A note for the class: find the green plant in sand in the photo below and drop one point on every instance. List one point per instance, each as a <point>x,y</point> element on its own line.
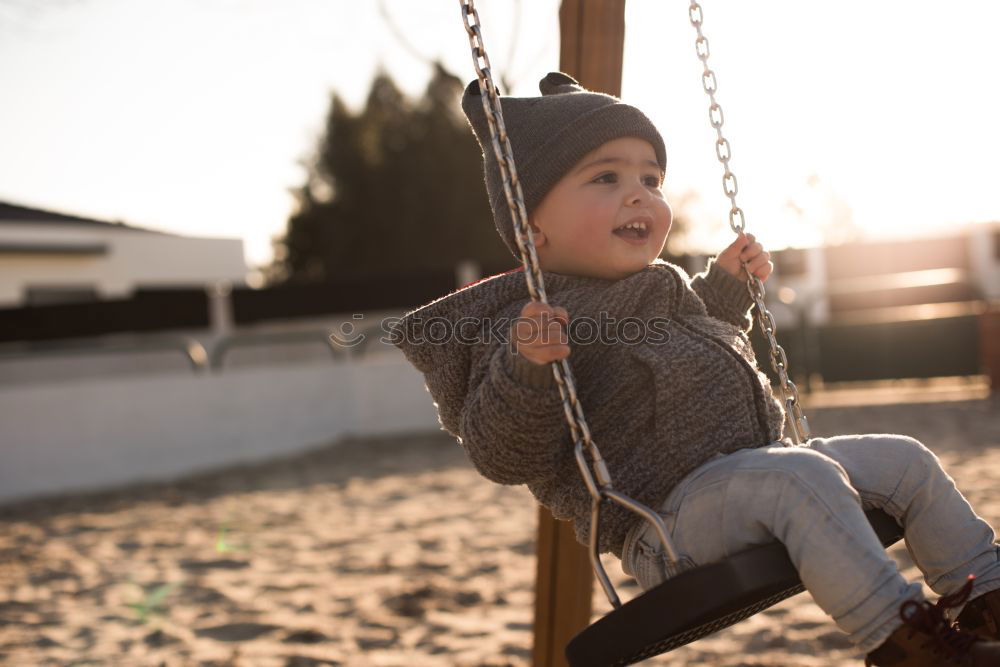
<point>153,602</point>
<point>224,546</point>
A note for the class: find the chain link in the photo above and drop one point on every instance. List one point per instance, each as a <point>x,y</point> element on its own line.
<point>525,241</point>
<point>737,222</point>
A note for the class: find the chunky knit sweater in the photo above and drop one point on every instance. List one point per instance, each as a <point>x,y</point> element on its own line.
<point>656,409</point>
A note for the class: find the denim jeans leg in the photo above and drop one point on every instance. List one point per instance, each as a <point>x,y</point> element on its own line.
<point>803,499</point>
<point>946,539</point>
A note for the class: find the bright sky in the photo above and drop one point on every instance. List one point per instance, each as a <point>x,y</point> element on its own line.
<point>193,116</point>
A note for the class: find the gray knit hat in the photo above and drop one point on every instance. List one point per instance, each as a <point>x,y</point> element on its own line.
<point>549,135</point>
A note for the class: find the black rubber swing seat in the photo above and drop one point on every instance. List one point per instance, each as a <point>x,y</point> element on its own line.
<point>698,602</point>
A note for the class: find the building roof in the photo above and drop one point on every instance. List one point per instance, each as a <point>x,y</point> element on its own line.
<point>14,214</point>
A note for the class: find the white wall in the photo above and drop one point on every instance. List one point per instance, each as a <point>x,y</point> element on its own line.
<point>134,257</point>
<point>100,432</point>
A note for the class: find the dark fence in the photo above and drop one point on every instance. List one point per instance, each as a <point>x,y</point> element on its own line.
<point>166,309</point>
<point>913,349</point>
<point>292,301</point>
<point>943,346</point>
<point>147,310</point>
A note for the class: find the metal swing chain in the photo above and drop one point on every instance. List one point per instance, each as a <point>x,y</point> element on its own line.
<point>797,420</point>
<point>601,488</point>
<point>523,235</point>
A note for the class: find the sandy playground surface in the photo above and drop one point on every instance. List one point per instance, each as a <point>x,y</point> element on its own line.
<point>376,552</point>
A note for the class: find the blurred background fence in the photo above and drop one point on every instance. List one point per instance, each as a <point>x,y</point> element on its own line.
<point>172,381</point>
<point>920,308</point>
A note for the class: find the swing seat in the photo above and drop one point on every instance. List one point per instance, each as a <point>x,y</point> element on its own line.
<point>698,602</point>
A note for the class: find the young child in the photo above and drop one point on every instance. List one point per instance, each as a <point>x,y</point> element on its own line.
<point>666,376</point>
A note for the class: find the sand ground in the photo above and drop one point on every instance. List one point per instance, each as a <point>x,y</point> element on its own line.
<point>378,552</point>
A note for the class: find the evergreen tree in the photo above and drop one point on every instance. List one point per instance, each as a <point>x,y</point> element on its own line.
<point>394,189</point>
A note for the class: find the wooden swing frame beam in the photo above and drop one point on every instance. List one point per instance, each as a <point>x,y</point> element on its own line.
<point>591,46</point>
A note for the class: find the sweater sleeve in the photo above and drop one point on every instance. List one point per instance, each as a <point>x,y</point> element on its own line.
<point>513,426</point>
<point>725,296</point>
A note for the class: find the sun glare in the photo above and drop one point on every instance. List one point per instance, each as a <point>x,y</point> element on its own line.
<point>829,144</point>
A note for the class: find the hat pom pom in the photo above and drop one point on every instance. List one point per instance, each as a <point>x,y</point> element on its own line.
<point>556,83</point>
<point>473,89</point>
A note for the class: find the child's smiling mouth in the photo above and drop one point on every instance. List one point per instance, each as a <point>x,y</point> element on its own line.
<point>635,232</point>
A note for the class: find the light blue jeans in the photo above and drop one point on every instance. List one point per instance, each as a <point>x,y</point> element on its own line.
<point>812,499</point>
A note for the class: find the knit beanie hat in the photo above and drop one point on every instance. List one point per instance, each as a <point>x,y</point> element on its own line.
<point>549,135</point>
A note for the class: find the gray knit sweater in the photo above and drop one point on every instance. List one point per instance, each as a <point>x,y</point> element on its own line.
<point>656,410</point>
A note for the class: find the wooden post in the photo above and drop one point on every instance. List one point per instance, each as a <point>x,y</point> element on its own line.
<point>592,42</point>
<point>989,344</point>
<point>592,39</point>
<point>563,588</point>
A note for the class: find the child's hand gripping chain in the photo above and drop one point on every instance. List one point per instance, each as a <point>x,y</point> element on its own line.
<point>540,333</point>
<point>746,249</point>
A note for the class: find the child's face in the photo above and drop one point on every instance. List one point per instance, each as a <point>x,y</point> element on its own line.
<point>574,227</point>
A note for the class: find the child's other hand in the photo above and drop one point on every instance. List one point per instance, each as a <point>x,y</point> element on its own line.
<point>540,333</point>
<point>746,249</point>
